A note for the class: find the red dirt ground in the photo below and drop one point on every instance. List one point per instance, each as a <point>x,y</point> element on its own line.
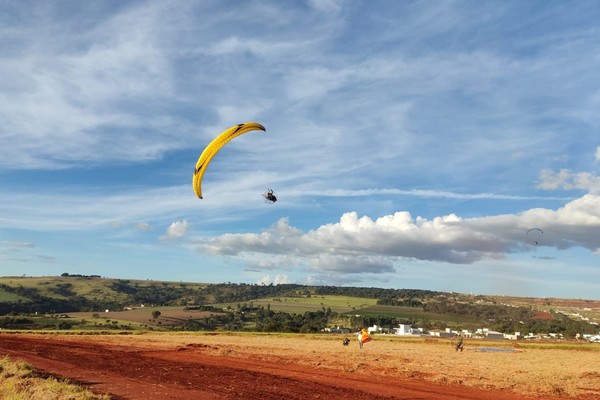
<point>543,315</point>
<point>186,373</point>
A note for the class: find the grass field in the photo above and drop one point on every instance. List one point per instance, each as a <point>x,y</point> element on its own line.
<point>300,305</point>
<point>6,297</point>
<point>98,288</point>
<point>352,306</point>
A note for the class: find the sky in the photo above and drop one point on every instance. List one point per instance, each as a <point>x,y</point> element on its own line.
<point>411,144</point>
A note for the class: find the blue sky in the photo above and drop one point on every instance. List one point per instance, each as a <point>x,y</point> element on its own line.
<point>412,144</point>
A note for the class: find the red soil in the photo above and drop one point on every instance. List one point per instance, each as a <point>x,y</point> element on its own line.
<point>542,315</point>
<point>187,373</point>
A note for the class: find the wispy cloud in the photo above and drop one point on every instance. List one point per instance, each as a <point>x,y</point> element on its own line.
<point>435,193</point>
<point>71,103</point>
<point>22,252</point>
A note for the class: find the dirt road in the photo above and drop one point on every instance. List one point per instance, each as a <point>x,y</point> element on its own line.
<point>189,372</point>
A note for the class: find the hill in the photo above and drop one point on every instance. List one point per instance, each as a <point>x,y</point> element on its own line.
<point>146,304</point>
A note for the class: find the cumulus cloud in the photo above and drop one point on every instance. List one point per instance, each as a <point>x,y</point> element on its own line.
<point>598,153</point>
<point>277,280</point>
<point>363,245</point>
<point>567,180</point>
<point>352,264</point>
<point>176,230</point>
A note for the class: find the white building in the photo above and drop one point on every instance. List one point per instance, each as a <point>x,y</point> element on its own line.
<point>405,330</point>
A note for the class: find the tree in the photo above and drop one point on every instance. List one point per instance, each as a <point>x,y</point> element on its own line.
<point>155,314</point>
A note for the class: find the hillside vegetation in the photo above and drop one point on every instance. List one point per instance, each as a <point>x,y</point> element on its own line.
<point>93,302</point>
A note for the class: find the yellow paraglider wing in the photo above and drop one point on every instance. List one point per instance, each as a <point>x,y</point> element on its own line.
<point>214,146</point>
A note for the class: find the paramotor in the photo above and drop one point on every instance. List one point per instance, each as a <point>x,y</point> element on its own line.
<point>269,196</point>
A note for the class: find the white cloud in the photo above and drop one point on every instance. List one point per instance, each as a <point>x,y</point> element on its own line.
<point>277,280</point>
<point>332,263</point>
<point>143,226</point>
<point>424,193</point>
<point>567,180</point>
<point>598,153</point>
<point>362,245</point>
<point>74,94</point>
<point>176,230</point>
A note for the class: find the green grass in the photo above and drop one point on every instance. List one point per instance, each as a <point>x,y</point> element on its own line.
<point>415,313</point>
<point>300,305</point>
<point>89,287</point>
<point>350,306</point>
<point>6,297</point>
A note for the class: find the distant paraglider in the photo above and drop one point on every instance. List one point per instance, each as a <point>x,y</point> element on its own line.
<point>270,196</point>
<point>214,146</point>
<point>535,235</point>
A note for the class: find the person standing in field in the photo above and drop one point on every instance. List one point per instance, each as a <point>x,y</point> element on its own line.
<point>459,344</point>
<point>363,336</point>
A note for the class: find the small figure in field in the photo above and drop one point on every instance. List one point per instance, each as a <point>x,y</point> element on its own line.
<point>459,344</point>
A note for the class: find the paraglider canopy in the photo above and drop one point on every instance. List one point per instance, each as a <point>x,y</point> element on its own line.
<point>535,235</point>
<point>365,336</point>
<point>213,147</point>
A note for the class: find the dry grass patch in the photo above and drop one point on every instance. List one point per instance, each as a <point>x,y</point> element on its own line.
<point>19,381</point>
